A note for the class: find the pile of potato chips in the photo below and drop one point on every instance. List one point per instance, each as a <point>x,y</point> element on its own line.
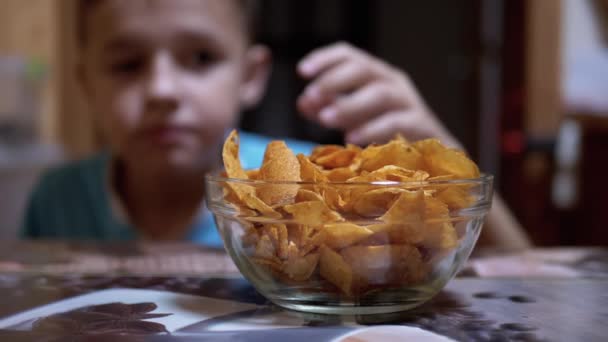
<point>360,219</point>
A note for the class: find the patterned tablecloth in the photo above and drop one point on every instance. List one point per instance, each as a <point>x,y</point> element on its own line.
<point>147,291</point>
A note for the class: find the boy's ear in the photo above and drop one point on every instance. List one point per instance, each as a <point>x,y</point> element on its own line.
<point>258,64</point>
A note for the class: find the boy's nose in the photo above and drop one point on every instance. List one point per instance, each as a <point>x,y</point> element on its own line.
<point>161,87</point>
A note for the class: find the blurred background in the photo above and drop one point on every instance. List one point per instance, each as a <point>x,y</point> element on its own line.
<point>522,83</point>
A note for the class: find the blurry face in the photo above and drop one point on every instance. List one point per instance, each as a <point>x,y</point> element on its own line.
<point>167,78</point>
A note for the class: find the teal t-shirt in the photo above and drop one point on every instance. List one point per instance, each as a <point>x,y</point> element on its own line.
<point>73,201</point>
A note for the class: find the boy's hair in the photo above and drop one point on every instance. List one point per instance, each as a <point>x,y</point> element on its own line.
<point>249,8</point>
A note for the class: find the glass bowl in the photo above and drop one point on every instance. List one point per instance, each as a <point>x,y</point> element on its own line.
<point>358,258</point>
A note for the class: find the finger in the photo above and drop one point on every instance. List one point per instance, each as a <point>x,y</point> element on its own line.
<point>364,104</point>
<point>323,58</point>
<point>311,105</point>
<point>383,128</point>
<point>340,79</point>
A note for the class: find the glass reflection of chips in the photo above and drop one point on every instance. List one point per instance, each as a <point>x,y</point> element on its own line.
<point>357,219</point>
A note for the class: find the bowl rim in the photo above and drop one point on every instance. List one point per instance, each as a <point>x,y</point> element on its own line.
<point>214,177</point>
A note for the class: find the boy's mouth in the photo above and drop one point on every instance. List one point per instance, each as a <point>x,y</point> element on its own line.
<point>166,135</point>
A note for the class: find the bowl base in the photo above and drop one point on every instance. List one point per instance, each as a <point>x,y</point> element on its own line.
<point>323,308</point>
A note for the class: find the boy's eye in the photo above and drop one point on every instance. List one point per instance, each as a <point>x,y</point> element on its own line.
<point>203,57</point>
<point>199,59</point>
<point>127,66</point>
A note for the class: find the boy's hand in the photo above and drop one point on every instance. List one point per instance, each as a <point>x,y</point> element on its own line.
<point>368,99</point>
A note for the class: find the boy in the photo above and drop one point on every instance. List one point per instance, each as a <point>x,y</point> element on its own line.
<point>167,79</point>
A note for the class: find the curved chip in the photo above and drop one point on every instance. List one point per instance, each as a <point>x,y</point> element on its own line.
<point>312,213</point>
<point>344,234</point>
<point>440,160</point>
<point>334,269</point>
<point>396,152</point>
<point>280,164</point>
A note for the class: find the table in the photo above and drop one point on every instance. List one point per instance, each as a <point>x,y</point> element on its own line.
<point>545,304</point>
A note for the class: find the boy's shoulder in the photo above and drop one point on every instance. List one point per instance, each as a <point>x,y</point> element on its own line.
<point>252,147</point>
<point>68,201</point>
<point>74,173</point>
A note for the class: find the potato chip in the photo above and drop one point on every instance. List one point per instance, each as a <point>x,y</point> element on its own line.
<point>313,213</point>
<point>323,150</point>
<point>308,195</point>
<point>375,202</point>
<point>389,173</point>
<point>338,158</point>
<point>332,197</point>
<point>455,196</point>
<point>265,249</point>
<point>293,251</point>
<point>230,155</point>
<point>309,172</point>
<point>253,174</point>
<point>390,233</point>
<point>387,264</point>
<point>250,238</point>
<point>440,160</point>
<point>301,268</point>
<point>334,269</point>
<point>440,236</point>
<point>277,233</point>
<point>344,234</point>
<point>280,164</point>
<point>408,208</point>
<point>341,174</point>
<point>244,192</point>
<point>273,263</point>
<point>397,153</point>
<point>253,202</point>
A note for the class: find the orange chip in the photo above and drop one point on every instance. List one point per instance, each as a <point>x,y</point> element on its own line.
<point>293,251</point>
<point>253,174</point>
<point>309,171</point>
<point>440,235</point>
<point>265,249</point>
<point>299,234</point>
<point>323,150</point>
<point>277,233</point>
<point>385,233</point>
<point>280,164</point>
<point>244,192</point>
<point>376,202</point>
<point>253,202</point>
<point>396,152</point>
<point>341,174</point>
<point>301,268</point>
<point>439,231</point>
<point>333,198</point>
<point>316,240</point>
<point>338,158</point>
<point>308,195</point>
<point>230,154</point>
<point>344,234</point>
<point>396,264</point>
<point>455,196</point>
<point>334,269</point>
<point>250,238</point>
<point>313,213</point>
<point>440,160</point>
<point>273,263</point>
<point>408,208</point>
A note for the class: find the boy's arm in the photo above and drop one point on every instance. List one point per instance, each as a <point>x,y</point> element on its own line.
<point>502,230</point>
<point>371,101</point>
